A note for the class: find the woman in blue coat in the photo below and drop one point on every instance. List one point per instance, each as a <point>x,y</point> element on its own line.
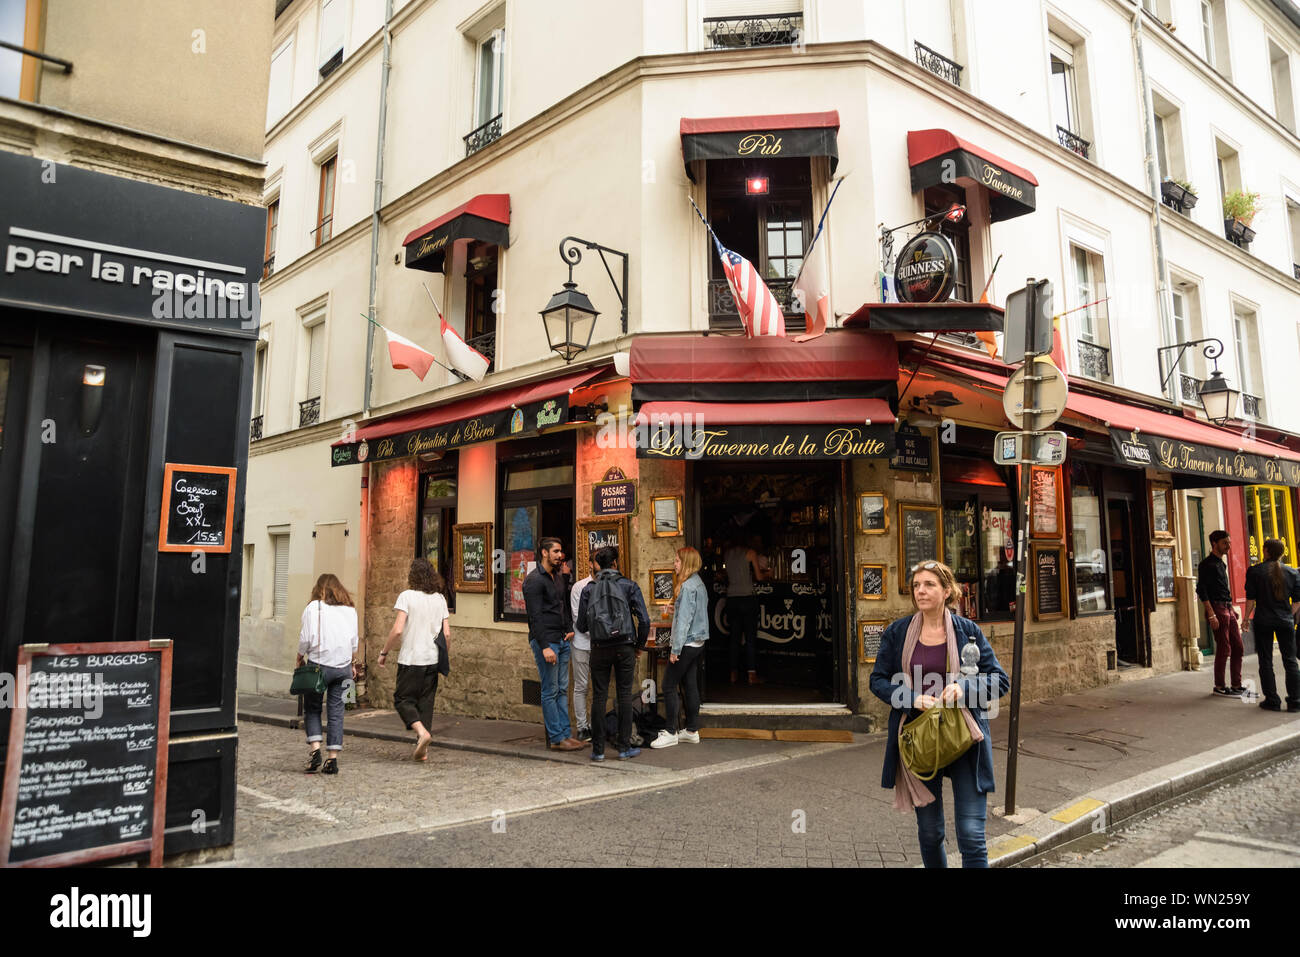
<point>917,668</point>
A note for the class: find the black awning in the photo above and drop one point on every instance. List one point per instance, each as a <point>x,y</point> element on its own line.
<point>937,156</point>
<point>485,217</point>
<point>926,317</point>
<point>738,137</point>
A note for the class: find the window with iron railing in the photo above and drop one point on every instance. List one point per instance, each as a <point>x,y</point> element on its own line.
<point>325,202</point>
<point>489,91</point>
<point>754,30</point>
<point>937,63</point>
<point>1091,317</point>
<point>481,299</point>
<point>1068,107</point>
<point>272,228</point>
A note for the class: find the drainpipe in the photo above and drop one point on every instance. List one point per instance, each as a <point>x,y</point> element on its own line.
<point>379,197</point>
<point>1164,296</point>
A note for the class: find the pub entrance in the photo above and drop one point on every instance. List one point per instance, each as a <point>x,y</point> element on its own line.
<point>792,522</point>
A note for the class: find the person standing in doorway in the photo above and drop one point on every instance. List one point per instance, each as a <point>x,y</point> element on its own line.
<point>421,619</point>
<point>690,632</point>
<point>606,612</point>
<point>1213,592</point>
<point>581,658</point>
<point>549,635</point>
<point>1272,597</point>
<point>744,567</point>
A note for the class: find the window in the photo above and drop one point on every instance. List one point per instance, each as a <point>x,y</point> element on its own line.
<point>1187,328</point>
<point>1162,10</point>
<point>309,408</point>
<point>280,92</point>
<point>1214,36</point>
<point>734,24</point>
<point>1280,68</point>
<point>1092,324</point>
<point>280,591</point>
<point>332,22</point>
<point>325,202</point>
<point>936,39</point>
<point>770,230</point>
<point>246,593</point>
<point>272,227</point>
<point>535,501</point>
<point>1207,31</point>
<point>1293,221</point>
<point>20,25</point>
<point>1067,88</point>
<point>1268,515</point>
<point>481,299</point>
<point>437,516</point>
<point>489,86</point>
<point>1246,338</point>
<point>259,387</point>
<point>979,540</point>
<point>1091,578</point>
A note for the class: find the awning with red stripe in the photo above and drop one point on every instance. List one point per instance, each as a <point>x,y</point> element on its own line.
<point>486,217</point>
<point>826,412</point>
<point>780,135</point>
<point>935,156</point>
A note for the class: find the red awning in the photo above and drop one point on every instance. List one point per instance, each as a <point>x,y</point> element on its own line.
<point>936,155</point>
<point>758,137</point>
<point>486,217</point>
<point>832,357</point>
<point>826,412</point>
<point>747,124</point>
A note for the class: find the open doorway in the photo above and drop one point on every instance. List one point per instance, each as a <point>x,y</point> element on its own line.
<point>1127,577</point>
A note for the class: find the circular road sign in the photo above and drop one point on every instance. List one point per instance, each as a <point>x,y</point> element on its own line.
<point>1052,393</point>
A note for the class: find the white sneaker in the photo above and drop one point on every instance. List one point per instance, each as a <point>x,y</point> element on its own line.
<point>692,736</point>
<point>666,739</point>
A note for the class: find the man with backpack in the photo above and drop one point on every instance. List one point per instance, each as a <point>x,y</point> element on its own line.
<point>605,613</point>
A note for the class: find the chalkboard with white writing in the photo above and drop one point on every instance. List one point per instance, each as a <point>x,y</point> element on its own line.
<point>1048,563</point>
<point>198,503</point>
<point>86,774</point>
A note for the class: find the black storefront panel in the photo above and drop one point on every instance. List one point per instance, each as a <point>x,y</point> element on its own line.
<point>200,793</point>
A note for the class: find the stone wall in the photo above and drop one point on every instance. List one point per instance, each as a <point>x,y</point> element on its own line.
<point>393,489</point>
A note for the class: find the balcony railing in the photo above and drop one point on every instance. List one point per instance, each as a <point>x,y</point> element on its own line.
<point>489,132</point>
<point>308,412</point>
<point>774,30</point>
<point>722,305</point>
<point>321,234</point>
<point>1250,405</point>
<point>255,430</point>
<point>1190,387</point>
<point>1295,268</point>
<point>938,64</point>
<point>1094,361</point>
<point>268,266</point>
<point>1073,141</point>
<point>486,344</point>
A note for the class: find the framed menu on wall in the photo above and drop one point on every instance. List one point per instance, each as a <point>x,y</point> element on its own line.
<point>1162,558</point>
<point>871,581</point>
<point>870,633</point>
<point>1048,566</point>
<point>1045,507</point>
<point>1162,511</point>
<point>473,568</point>
<point>873,513</point>
<point>595,534</point>
<point>920,539</point>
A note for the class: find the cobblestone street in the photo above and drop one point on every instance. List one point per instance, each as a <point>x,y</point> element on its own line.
<point>1247,820</point>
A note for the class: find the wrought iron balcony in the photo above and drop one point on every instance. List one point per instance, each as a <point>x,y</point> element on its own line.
<point>774,30</point>
<point>268,266</point>
<point>324,231</point>
<point>1094,361</point>
<point>308,412</point>
<point>1250,405</point>
<point>1295,268</point>
<point>486,344</point>
<point>1073,141</point>
<point>938,64</point>
<point>489,132</point>
<point>255,430</point>
<point>722,305</point>
<point>1190,387</point>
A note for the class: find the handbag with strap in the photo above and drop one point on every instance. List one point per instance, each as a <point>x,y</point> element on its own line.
<point>309,678</point>
<point>440,642</point>
<point>929,743</point>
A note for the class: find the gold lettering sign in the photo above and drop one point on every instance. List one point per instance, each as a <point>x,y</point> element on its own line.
<point>430,245</point>
<point>992,178</point>
<point>764,144</point>
<point>386,448</point>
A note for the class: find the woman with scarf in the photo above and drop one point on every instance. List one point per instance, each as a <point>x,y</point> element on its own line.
<point>917,667</point>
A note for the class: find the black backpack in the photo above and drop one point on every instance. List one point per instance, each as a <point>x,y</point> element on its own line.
<point>608,613</point>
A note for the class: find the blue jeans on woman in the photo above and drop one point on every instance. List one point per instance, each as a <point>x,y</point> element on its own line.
<point>971,813</point>
<point>335,678</point>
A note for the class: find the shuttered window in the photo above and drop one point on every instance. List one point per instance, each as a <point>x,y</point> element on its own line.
<point>281,589</point>
<point>315,359</point>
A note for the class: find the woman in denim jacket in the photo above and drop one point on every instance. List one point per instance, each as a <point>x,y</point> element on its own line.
<point>690,632</point>
<point>927,646</point>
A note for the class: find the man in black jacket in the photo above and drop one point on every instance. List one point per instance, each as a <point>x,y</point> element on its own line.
<point>619,654</point>
<point>549,634</point>
<point>1214,594</point>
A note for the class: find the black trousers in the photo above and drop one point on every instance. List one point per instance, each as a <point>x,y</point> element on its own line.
<point>685,672</point>
<point>413,698</point>
<point>622,660</point>
<point>1265,629</point>
<point>743,622</point>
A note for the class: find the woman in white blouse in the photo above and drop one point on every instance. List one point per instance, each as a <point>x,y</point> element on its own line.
<point>328,638</point>
<point>421,618</point>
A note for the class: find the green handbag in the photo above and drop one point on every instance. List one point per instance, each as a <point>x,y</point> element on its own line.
<point>929,743</point>
<point>309,678</point>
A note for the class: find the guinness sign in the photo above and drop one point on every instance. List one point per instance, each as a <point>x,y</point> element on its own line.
<point>926,270</point>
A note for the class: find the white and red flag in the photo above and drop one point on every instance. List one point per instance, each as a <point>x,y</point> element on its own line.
<point>759,311</point>
<point>812,286</point>
<point>405,354</point>
<point>461,355</point>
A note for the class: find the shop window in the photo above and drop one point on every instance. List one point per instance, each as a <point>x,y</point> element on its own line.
<point>280,582</point>
<point>1091,574</point>
<point>481,299</point>
<point>535,479</point>
<point>771,229</point>
<point>437,516</point>
<point>1268,515</point>
<point>979,540</point>
<point>325,202</point>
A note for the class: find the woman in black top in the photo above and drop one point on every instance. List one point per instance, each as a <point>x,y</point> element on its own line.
<point>1272,594</point>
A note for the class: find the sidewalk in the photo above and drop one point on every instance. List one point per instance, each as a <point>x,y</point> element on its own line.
<point>1086,760</point>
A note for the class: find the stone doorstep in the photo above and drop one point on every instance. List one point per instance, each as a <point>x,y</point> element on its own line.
<point>1115,803</point>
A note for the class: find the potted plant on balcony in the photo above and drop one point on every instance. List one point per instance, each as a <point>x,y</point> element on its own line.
<point>1239,209</point>
<point>1179,194</point>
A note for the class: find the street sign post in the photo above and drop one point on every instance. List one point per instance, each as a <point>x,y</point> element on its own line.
<point>1049,396</point>
<point>1029,448</point>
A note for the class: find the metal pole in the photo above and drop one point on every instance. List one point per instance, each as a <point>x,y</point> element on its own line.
<point>1022,595</point>
<point>385,69</point>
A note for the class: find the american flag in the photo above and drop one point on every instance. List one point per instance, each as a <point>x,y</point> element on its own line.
<point>758,308</point>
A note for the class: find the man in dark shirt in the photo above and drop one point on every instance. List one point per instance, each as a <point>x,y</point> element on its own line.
<point>548,634</point>
<point>1272,597</point>
<point>1213,592</point>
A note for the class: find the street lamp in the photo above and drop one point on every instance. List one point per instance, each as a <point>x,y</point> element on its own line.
<point>1217,397</point>
<point>569,317</point>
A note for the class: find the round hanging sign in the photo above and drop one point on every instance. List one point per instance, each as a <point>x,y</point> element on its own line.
<point>926,269</point>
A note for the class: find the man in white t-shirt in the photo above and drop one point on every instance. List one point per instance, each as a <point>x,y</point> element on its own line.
<point>580,655</point>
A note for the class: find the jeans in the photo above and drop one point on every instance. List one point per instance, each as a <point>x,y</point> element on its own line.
<point>335,678</point>
<point>555,690</point>
<point>622,659</point>
<point>684,672</point>
<point>971,812</point>
<point>1227,644</point>
<point>1265,629</point>
<point>581,680</point>
<point>417,685</point>
<point>742,613</point>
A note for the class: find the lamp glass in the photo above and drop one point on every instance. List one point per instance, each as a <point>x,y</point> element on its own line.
<point>1219,400</point>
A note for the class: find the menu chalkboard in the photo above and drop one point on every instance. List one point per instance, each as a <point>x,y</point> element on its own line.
<point>198,508</point>
<point>872,632</point>
<point>473,557</point>
<point>1045,502</point>
<point>1048,561</point>
<point>919,540</point>
<point>1163,557</point>
<point>86,776</point>
<point>595,534</point>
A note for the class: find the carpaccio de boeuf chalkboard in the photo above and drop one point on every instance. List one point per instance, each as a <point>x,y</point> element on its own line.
<point>86,774</point>
<point>1047,577</point>
<point>198,503</point>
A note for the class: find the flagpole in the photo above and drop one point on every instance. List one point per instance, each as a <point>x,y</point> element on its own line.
<point>456,372</point>
<point>434,301</point>
<point>817,235</point>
